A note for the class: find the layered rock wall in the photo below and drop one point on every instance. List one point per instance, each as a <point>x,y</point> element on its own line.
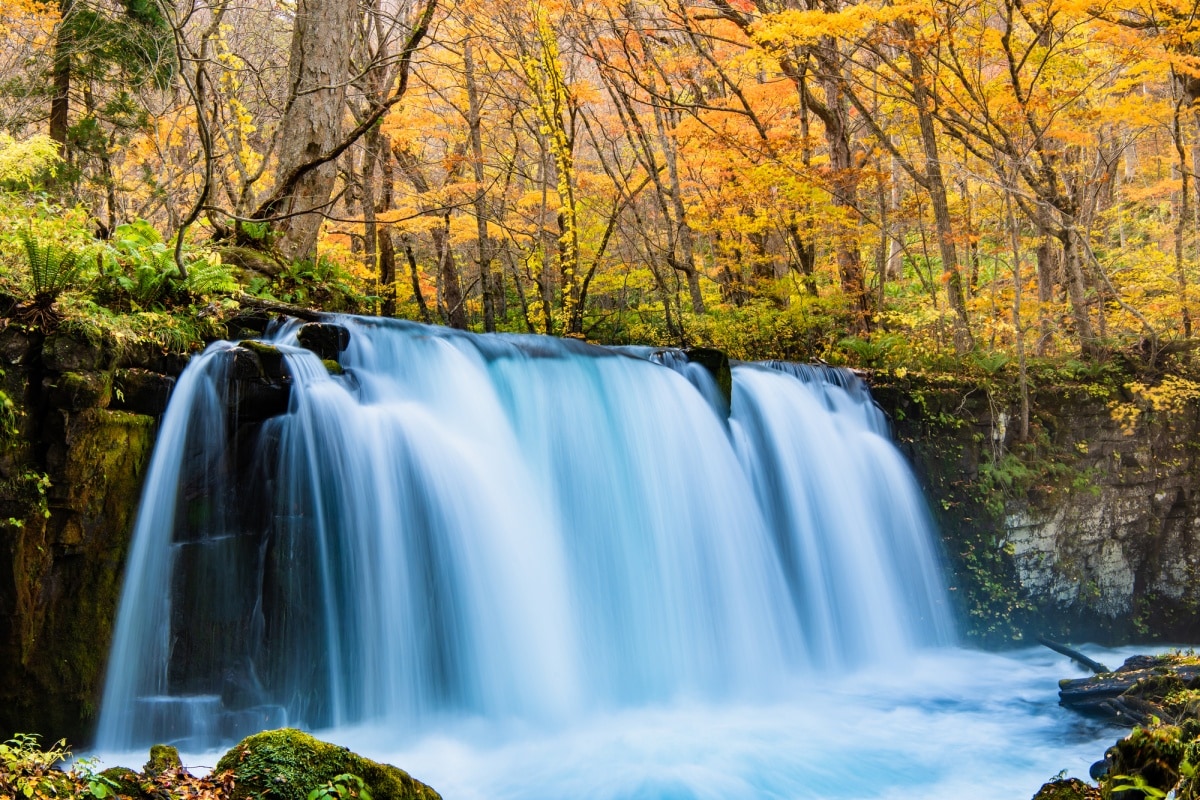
<point>1090,530</point>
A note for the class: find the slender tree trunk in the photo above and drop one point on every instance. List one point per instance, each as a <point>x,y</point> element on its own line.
<point>1074,259</point>
<point>60,101</point>
<point>844,183</point>
<point>1018,326</point>
<point>415,274</point>
<point>487,281</point>
<point>936,187</point>
<point>452,291</point>
<point>686,262</point>
<point>1181,222</point>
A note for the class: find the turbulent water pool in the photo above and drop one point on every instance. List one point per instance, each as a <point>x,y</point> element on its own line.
<point>945,725</point>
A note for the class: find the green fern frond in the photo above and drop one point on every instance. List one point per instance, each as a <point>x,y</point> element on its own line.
<point>52,267</point>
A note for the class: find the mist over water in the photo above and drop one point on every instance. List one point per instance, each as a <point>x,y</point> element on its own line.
<point>524,567</point>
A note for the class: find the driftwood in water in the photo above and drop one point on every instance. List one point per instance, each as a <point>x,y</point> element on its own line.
<point>1074,655</point>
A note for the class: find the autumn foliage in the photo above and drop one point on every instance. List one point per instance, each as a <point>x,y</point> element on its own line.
<point>883,182</point>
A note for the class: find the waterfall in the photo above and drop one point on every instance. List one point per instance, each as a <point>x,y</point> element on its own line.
<point>508,527</point>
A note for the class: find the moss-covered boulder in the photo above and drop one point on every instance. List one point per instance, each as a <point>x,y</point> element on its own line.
<point>163,758</point>
<point>123,781</point>
<point>287,764</point>
<point>1147,758</point>
<point>80,350</point>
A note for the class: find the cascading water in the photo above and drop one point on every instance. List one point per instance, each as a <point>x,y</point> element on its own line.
<point>522,534</point>
<point>506,526</point>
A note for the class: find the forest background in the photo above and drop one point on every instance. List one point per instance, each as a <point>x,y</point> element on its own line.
<point>987,185</point>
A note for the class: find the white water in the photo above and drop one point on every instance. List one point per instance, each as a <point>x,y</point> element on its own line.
<point>527,568</point>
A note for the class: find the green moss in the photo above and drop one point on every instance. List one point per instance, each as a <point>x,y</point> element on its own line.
<point>163,758</point>
<point>287,764</point>
<point>1148,757</point>
<point>76,390</point>
<point>332,366</point>
<point>123,780</point>
<point>269,355</point>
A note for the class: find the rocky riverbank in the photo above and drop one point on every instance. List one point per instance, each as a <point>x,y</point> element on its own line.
<point>1160,695</point>
<point>284,764</point>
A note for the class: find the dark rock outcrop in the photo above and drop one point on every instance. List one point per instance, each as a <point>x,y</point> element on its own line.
<point>325,339</point>
<point>717,365</point>
<point>261,384</point>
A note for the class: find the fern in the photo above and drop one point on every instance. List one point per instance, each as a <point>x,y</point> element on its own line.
<point>52,267</point>
<point>208,276</point>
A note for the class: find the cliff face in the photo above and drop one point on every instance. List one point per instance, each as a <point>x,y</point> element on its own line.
<point>1090,531</point>
<point>77,442</point>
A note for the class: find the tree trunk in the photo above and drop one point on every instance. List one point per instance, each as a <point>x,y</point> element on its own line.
<point>844,183</point>
<point>487,281</point>
<point>1047,270</point>
<point>452,293</point>
<point>936,187</point>
<point>318,70</point>
<point>1074,259</point>
<point>415,273</point>
<point>60,101</point>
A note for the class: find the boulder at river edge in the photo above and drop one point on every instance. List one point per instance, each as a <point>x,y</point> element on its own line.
<point>287,764</point>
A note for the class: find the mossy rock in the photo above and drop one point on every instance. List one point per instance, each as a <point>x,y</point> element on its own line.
<point>80,350</point>
<point>1151,755</point>
<point>271,358</point>
<point>287,764</point>
<point>333,367</point>
<point>76,391</point>
<point>1067,789</point>
<point>141,391</point>
<point>163,758</point>
<point>124,781</point>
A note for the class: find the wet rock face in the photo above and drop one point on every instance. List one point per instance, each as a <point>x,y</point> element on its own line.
<point>325,339</point>
<point>717,365</point>
<point>261,384</point>
<point>71,470</point>
<point>141,391</point>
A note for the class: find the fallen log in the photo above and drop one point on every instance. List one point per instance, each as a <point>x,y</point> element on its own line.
<point>277,307</point>
<point>1074,655</point>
